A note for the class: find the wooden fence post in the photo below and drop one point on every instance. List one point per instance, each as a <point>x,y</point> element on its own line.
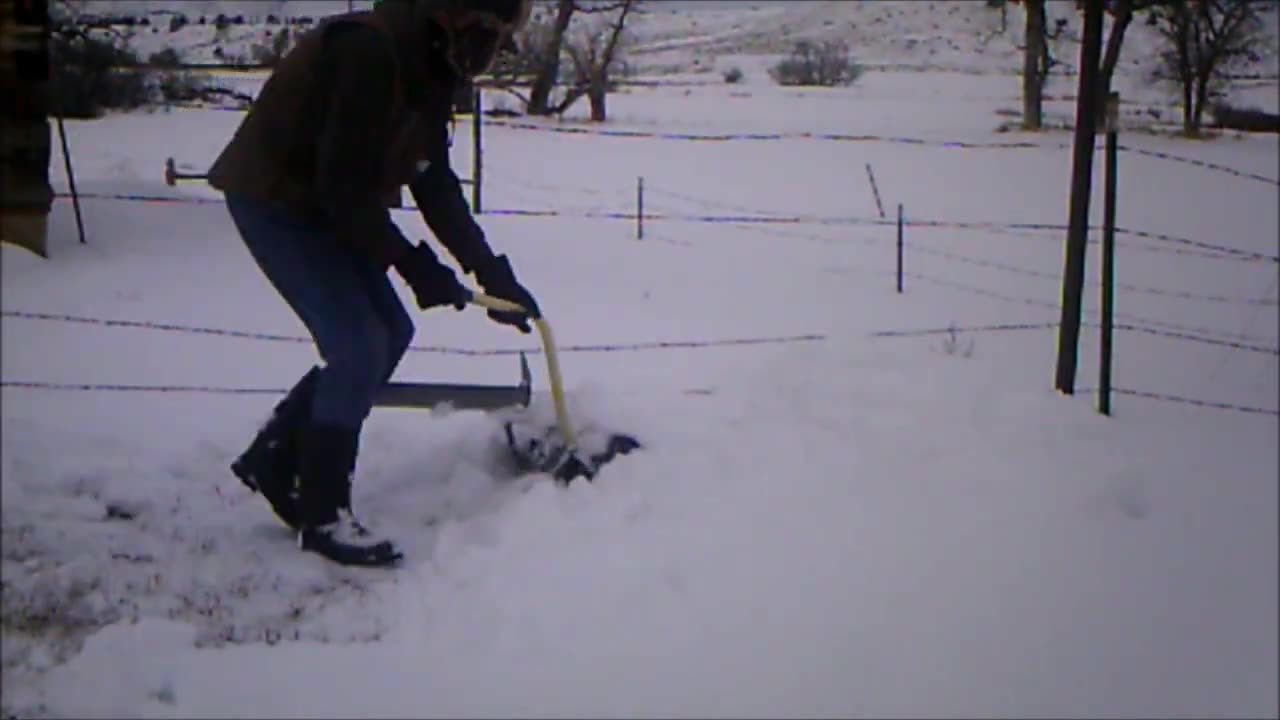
<point>1078,211</point>
<point>875,190</point>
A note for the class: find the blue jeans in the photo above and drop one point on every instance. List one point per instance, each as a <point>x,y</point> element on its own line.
<point>359,325</point>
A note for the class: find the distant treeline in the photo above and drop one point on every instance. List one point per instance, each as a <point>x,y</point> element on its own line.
<point>178,20</point>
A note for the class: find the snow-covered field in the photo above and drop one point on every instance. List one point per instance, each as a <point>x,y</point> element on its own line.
<point>703,38</point>
<point>694,43</point>
<point>884,517</point>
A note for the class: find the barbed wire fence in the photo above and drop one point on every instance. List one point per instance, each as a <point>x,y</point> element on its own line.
<point>754,219</point>
<point>765,222</point>
<point>867,138</point>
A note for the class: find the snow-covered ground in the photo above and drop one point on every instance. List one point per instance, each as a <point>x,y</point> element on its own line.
<point>881,509</point>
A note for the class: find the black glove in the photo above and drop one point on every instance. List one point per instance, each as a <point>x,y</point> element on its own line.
<point>497,279</point>
<point>433,283</point>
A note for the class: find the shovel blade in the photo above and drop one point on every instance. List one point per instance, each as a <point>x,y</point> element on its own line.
<point>457,396</point>
<point>546,452</point>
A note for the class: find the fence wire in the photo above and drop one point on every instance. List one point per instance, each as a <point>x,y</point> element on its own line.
<point>999,327</point>
<point>438,349</point>
<point>1134,323</point>
<point>1189,247</point>
<point>1006,327</point>
<point>764,222</point>
<point>1128,287</point>
<point>872,138</point>
<point>1122,327</point>
<point>1165,397</point>
<point>111,387</point>
<point>1186,246</point>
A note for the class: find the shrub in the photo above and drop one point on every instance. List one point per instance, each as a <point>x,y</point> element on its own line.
<point>270,54</point>
<point>177,22</point>
<point>166,58</point>
<point>953,346</point>
<point>92,71</point>
<point>179,87</point>
<point>824,65</point>
<point>733,75</point>
<point>92,74</point>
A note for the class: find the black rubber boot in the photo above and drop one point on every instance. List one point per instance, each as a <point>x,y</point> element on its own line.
<point>269,465</point>
<point>326,526</point>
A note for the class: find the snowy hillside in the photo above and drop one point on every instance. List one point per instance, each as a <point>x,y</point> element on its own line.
<point>695,43</point>
<point>957,35</point>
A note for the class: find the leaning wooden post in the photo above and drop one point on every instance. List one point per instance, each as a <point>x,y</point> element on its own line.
<point>71,179</point>
<point>1078,211</point>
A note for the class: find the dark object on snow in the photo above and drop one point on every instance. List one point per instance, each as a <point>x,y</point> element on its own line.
<point>548,453</point>
<point>27,197</point>
<point>327,525</point>
<point>1227,117</point>
<point>269,465</point>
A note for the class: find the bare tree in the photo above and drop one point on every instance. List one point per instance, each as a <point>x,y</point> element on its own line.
<point>92,68</point>
<point>1033,74</point>
<point>547,46</point>
<point>269,54</point>
<point>524,67</point>
<point>1122,14</point>
<point>1037,59</point>
<point>543,50</point>
<point>1203,41</point>
<point>595,50</point>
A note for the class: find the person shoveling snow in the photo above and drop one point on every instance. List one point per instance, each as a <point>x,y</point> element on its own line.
<point>358,108</point>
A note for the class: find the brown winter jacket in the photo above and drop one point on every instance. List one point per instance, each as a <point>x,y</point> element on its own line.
<point>348,117</point>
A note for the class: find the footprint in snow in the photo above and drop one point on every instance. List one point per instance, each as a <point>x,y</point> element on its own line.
<point>1127,492</point>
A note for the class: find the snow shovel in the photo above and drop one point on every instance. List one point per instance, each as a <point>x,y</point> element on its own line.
<point>545,452</point>
<point>459,397</point>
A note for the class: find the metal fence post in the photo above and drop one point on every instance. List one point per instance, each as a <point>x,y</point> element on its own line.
<point>640,208</point>
<point>1108,254</point>
<point>900,243</point>
<point>477,152</point>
